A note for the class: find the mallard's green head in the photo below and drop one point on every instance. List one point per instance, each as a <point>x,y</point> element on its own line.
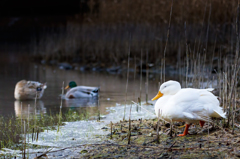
<point>71,85</point>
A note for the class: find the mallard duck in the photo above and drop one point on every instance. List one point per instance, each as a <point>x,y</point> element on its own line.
<point>187,104</point>
<point>29,90</point>
<point>80,91</point>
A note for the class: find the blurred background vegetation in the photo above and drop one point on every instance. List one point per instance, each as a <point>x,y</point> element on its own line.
<point>100,32</point>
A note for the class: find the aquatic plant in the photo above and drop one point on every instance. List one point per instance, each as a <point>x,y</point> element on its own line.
<point>12,127</point>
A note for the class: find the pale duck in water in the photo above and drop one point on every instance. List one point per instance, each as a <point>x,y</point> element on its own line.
<point>25,90</point>
<point>81,91</point>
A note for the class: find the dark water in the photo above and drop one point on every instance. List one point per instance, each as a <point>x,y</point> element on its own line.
<point>112,89</point>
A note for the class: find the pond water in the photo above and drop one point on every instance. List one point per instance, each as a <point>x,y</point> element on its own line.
<point>112,89</point>
<point>110,105</point>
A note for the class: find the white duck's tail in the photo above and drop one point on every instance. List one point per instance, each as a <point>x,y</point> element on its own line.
<point>209,89</point>
<point>217,114</point>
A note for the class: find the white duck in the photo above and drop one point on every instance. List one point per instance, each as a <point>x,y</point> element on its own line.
<point>187,104</point>
<point>25,90</point>
<point>81,91</point>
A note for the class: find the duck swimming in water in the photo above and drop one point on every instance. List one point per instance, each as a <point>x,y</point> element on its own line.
<point>80,91</point>
<point>25,90</point>
<point>186,104</point>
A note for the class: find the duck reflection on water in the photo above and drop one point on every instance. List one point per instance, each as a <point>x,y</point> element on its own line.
<point>23,109</point>
<point>82,102</point>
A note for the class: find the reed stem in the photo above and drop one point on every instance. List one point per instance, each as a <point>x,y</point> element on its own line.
<point>165,49</point>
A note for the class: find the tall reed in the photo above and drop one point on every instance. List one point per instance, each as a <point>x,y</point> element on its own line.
<point>127,80</point>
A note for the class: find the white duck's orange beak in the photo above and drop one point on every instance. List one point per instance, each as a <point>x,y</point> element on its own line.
<point>157,96</point>
<point>67,87</point>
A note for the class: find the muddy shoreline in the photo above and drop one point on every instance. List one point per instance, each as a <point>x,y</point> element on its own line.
<point>218,143</point>
<point>207,142</point>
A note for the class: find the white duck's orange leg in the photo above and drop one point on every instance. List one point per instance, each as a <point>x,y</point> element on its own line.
<point>185,131</point>
<point>201,123</point>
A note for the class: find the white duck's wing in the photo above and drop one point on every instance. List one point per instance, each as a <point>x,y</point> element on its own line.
<point>187,109</point>
<point>193,104</point>
<point>211,103</point>
<point>197,112</point>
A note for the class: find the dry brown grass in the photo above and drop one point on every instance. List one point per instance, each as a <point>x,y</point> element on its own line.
<point>103,36</point>
<point>155,11</point>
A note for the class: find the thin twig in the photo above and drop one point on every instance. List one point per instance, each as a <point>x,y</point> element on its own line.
<point>60,111</point>
<point>210,10</point>
<point>111,130</point>
<point>158,127</point>
<point>165,49</point>
<point>43,153</point>
<point>127,80</point>
<point>202,28</point>
<point>172,145</point>
<point>129,128</point>
<point>187,60</point>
